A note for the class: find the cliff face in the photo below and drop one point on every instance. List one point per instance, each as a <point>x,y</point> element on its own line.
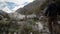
<point>32,7</point>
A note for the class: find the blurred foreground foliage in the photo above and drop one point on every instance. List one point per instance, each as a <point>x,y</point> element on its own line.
<point>9,25</point>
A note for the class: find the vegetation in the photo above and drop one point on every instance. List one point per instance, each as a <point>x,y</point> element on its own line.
<point>7,25</point>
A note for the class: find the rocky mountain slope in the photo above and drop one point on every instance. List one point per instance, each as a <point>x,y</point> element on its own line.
<point>3,14</point>
<point>35,7</point>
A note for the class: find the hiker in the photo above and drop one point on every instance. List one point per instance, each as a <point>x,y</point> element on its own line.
<point>51,14</point>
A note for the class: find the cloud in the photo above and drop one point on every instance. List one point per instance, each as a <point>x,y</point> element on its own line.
<point>13,5</point>
<point>30,0</point>
<point>10,5</point>
<point>17,1</point>
<point>2,0</point>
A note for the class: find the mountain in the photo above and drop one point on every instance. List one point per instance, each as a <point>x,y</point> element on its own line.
<point>6,9</point>
<point>32,7</point>
<point>3,13</point>
<point>12,6</point>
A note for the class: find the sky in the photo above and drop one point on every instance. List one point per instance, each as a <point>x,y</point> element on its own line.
<point>12,5</point>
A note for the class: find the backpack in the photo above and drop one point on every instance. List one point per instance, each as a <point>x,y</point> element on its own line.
<point>51,10</point>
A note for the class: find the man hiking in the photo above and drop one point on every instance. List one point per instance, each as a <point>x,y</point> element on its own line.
<point>51,12</point>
